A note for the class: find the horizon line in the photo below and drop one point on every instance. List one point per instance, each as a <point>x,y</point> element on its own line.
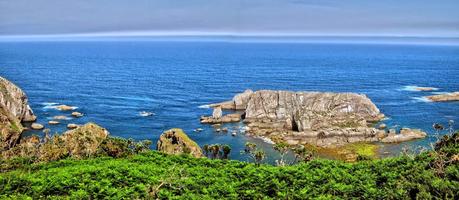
<point>217,34</point>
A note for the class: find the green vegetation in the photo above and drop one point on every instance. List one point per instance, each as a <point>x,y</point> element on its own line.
<point>150,174</point>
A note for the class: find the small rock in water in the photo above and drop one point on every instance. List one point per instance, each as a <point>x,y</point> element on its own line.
<point>77,114</point>
<point>382,126</point>
<point>72,126</point>
<point>65,108</point>
<point>198,130</point>
<point>53,122</point>
<point>234,133</point>
<point>37,126</point>
<point>60,117</point>
<point>225,130</point>
<point>218,130</point>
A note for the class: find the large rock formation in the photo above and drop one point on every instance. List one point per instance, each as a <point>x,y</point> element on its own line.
<point>322,119</point>
<point>453,96</point>
<point>81,142</point>
<point>14,109</point>
<point>175,141</point>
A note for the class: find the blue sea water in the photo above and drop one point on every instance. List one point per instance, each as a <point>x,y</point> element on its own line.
<point>111,82</point>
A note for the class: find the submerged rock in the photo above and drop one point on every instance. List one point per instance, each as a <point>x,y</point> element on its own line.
<point>175,141</point>
<point>60,117</point>
<point>14,109</point>
<point>453,96</point>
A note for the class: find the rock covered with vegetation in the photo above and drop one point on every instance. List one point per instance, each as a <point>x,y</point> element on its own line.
<point>175,141</point>
<point>80,142</point>
<point>14,109</point>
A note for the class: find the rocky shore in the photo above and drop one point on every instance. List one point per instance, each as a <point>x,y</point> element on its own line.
<point>321,119</point>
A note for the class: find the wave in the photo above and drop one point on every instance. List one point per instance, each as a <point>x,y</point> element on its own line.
<point>49,103</point>
<point>415,88</point>
<point>204,106</point>
<point>421,99</point>
<point>146,114</point>
<point>55,107</point>
<point>265,139</point>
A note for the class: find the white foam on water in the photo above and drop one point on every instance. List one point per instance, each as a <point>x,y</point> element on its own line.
<point>414,88</point>
<point>49,103</point>
<point>421,99</point>
<point>146,114</point>
<point>54,106</point>
<point>439,92</point>
<point>204,106</point>
<point>265,139</point>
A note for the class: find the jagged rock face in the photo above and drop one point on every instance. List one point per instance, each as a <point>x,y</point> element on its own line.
<point>175,141</point>
<point>15,101</point>
<point>323,119</point>
<point>301,111</point>
<point>14,109</point>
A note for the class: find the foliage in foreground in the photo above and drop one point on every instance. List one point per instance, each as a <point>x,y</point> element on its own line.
<point>155,175</point>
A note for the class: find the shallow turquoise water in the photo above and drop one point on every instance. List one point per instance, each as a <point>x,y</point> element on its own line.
<point>111,82</point>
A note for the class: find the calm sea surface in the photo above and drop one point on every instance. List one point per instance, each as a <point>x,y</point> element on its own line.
<point>111,82</point>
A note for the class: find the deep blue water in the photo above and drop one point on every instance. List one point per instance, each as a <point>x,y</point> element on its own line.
<point>111,82</point>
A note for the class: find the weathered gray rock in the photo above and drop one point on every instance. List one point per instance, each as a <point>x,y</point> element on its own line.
<point>321,119</point>
<point>241,100</point>
<point>175,141</point>
<point>217,113</point>
<point>453,96</point>
<point>14,109</point>
<point>15,101</point>
<point>406,134</point>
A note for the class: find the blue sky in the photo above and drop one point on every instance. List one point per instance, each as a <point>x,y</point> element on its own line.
<point>231,17</point>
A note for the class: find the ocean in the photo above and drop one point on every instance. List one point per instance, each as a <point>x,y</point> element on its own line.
<point>112,82</point>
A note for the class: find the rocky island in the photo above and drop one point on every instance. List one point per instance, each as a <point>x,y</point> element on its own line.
<point>322,119</point>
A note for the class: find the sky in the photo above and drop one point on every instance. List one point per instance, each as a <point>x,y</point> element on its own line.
<point>424,18</point>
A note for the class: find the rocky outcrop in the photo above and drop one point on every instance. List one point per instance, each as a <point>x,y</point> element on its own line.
<point>175,141</point>
<point>406,134</point>
<point>84,140</point>
<point>453,96</point>
<point>80,142</point>
<point>14,109</point>
<point>319,118</point>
